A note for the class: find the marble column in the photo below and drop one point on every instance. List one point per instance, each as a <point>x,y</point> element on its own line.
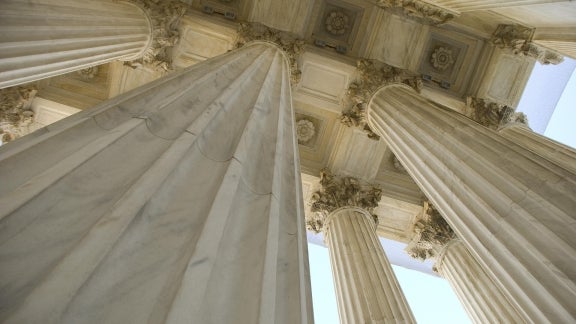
<point>467,5</point>
<point>367,290</point>
<point>480,296</point>
<point>513,208</point>
<point>152,208</point>
<point>44,38</point>
<point>550,149</point>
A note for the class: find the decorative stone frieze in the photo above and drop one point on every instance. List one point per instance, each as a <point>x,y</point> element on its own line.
<point>15,111</point>
<point>431,234</point>
<point>493,115</point>
<point>519,39</point>
<point>165,17</point>
<point>372,75</point>
<point>340,192</point>
<point>423,11</point>
<point>290,44</point>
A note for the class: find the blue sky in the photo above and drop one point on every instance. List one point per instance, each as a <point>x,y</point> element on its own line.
<point>549,100</point>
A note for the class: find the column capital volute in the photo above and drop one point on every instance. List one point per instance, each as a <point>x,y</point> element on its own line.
<point>518,39</point>
<point>372,75</point>
<point>337,193</point>
<point>15,111</point>
<point>492,114</point>
<point>163,18</point>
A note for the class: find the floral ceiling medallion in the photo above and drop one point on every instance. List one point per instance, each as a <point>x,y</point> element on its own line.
<point>305,130</point>
<point>337,23</point>
<point>442,58</point>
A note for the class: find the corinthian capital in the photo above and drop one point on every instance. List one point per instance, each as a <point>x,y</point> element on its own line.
<point>165,17</point>
<point>519,39</point>
<point>431,233</point>
<point>372,75</point>
<point>340,192</point>
<point>15,111</point>
<point>290,44</point>
<point>493,115</point>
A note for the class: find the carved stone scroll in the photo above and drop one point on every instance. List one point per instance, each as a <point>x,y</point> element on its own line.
<point>372,75</point>
<point>519,39</point>
<point>165,17</point>
<point>290,44</point>
<point>493,115</point>
<point>431,234</point>
<point>340,192</point>
<point>425,12</point>
<point>15,111</point>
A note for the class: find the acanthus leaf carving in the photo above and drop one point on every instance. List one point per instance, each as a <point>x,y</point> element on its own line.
<point>372,75</point>
<point>165,18</point>
<point>519,39</point>
<point>337,192</point>
<point>289,43</point>
<point>16,111</point>
<point>493,115</point>
<point>431,234</point>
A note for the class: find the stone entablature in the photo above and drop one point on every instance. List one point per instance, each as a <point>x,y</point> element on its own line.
<point>519,39</point>
<point>372,75</point>
<point>15,111</point>
<point>338,192</point>
<point>290,44</point>
<point>493,115</point>
<point>431,234</point>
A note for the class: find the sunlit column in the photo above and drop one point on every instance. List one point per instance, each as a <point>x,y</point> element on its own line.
<point>152,208</point>
<point>367,290</point>
<point>513,208</point>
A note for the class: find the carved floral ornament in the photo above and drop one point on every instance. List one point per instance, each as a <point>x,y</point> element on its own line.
<point>426,12</point>
<point>165,16</point>
<point>339,192</point>
<point>431,234</point>
<point>305,130</point>
<point>337,22</point>
<point>15,111</point>
<point>88,74</point>
<point>372,76</point>
<point>442,58</point>
<point>290,44</point>
<point>492,114</point>
<point>519,39</point>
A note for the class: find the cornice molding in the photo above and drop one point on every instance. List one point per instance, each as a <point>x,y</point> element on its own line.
<point>338,192</point>
<point>431,234</point>
<point>15,111</point>
<point>292,46</point>
<point>372,75</point>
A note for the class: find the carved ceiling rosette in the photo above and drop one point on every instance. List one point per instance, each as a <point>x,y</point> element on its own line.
<point>15,111</point>
<point>290,44</point>
<point>423,11</point>
<point>431,234</point>
<point>372,75</point>
<point>493,115</point>
<point>165,17</point>
<point>519,39</point>
<point>340,192</point>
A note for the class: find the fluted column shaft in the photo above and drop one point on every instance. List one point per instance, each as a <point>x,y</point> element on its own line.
<point>513,208</point>
<point>44,38</point>
<point>366,288</point>
<point>550,149</point>
<point>152,208</point>
<point>480,296</point>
